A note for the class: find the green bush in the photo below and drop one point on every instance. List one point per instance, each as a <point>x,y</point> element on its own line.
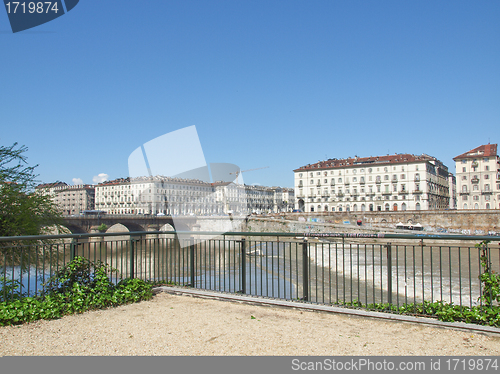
<point>79,286</point>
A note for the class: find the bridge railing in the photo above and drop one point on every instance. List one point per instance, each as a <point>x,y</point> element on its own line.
<point>330,268</point>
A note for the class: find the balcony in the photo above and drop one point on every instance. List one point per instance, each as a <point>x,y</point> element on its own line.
<point>486,192</point>
<point>475,180</point>
<point>417,192</point>
<point>394,181</point>
<point>340,194</point>
<point>386,193</point>
<point>402,192</point>
<point>378,181</point>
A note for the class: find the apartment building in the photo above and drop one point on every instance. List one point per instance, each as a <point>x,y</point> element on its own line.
<point>478,178</point>
<point>177,196</point>
<point>381,183</point>
<point>153,195</point>
<point>70,199</point>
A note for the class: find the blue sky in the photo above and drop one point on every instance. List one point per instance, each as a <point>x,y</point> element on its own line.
<point>266,83</point>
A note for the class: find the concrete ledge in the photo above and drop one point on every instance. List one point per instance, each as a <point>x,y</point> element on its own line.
<point>256,300</point>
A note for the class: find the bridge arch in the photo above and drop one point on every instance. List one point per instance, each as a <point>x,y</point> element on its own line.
<point>129,226</point>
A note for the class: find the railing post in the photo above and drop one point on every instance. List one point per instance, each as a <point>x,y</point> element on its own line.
<point>191,261</point>
<point>305,271</point>
<point>132,258</point>
<point>243,267</point>
<point>389,273</point>
<point>73,247</point>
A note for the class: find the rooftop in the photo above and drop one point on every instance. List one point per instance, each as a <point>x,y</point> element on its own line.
<point>487,150</point>
<point>334,163</point>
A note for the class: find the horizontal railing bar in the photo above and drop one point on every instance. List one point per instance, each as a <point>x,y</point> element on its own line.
<point>279,234</point>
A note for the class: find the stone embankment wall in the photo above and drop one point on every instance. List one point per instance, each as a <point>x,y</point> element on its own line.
<point>465,222</point>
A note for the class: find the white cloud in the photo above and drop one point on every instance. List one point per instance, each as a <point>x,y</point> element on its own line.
<point>100,178</point>
<point>77,181</point>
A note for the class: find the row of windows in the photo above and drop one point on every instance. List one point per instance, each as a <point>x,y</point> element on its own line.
<point>475,187</point>
<point>476,197</point>
<point>363,207</point>
<point>362,179</point>
<point>354,171</point>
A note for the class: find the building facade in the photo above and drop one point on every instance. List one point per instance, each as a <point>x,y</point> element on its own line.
<point>153,195</point>
<point>478,178</point>
<point>70,199</point>
<point>176,196</point>
<point>383,183</point>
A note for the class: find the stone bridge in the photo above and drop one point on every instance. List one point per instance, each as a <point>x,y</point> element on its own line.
<point>89,224</point>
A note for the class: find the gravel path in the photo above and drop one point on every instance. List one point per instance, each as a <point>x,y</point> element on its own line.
<point>182,325</point>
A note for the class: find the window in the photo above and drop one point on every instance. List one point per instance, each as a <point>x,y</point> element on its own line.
<point>486,187</point>
<point>464,197</point>
<point>475,187</point>
<point>476,198</point>
<point>464,161</point>
<point>464,188</point>
<point>486,168</point>
<point>403,176</point>
<point>386,177</point>
<point>486,176</point>
<point>464,169</point>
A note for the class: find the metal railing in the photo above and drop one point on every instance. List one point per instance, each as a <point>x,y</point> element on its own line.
<point>333,268</point>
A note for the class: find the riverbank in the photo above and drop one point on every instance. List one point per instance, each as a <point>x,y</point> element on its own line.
<point>181,325</point>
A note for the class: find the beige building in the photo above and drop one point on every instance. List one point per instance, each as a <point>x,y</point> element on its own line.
<point>70,199</point>
<point>478,178</point>
<point>382,183</point>
<point>176,196</point>
<point>153,195</point>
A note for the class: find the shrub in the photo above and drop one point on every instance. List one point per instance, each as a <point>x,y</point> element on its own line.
<point>79,286</point>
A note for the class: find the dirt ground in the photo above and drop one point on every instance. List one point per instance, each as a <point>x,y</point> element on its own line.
<point>183,325</point>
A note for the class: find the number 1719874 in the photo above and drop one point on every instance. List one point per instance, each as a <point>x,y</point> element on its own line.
<point>31,7</point>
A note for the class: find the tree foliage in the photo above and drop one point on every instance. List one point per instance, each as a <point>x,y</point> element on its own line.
<point>23,211</point>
